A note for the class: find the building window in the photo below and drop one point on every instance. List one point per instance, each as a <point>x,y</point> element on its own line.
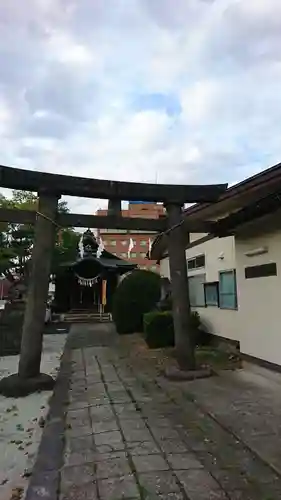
<point>143,243</point>
<point>212,294</point>
<point>227,290</point>
<point>196,290</point>
<point>113,243</point>
<point>196,262</point>
<point>143,255</point>
<point>124,255</point>
<point>154,268</point>
<point>124,242</point>
<point>133,255</point>
<point>261,271</point>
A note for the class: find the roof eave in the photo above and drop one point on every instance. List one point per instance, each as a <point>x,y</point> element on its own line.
<point>270,180</point>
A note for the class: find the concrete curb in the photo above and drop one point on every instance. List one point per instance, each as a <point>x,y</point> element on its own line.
<point>45,478</point>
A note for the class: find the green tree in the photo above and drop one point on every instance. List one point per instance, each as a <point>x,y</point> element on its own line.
<point>65,248</point>
<point>7,254</point>
<point>16,240</point>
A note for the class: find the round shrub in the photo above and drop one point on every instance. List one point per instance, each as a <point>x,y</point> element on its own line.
<point>137,294</point>
<point>159,329</point>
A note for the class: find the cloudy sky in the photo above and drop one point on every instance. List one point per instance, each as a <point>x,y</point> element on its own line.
<point>182,91</point>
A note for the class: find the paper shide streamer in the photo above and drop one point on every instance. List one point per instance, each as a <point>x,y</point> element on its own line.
<point>100,248</point>
<point>87,281</point>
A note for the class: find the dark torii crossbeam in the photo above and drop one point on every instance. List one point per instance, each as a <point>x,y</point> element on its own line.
<point>49,188</point>
<point>16,216</point>
<point>29,180</point>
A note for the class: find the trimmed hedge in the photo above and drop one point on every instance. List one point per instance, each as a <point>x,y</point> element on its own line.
<point>159,329</point>
<point>137,294</point>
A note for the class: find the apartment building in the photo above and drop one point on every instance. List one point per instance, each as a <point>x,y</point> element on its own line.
<point>133,245</point>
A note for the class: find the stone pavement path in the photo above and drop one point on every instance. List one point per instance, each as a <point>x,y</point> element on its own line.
<point>249,405</point>
<point>130,434</point>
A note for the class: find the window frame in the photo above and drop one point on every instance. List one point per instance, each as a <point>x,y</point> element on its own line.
<point>199,275</point>
<point>216,285</point>
<point>194,259</point>
<point>261,271</point>
<point>221,273</point>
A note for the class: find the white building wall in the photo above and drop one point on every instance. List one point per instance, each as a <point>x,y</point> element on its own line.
<point>260,298</point>
<point>196,236</point>
<point>219,256</point>
<point>256,323</point>
<point>164,268</point>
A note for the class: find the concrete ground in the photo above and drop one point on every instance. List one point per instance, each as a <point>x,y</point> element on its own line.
<point>20,432</point>
<point>248,405</point>
<point>128,433</point>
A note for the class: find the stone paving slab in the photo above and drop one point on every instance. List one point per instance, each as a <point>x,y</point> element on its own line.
<point>129,434</point>
<point>248,409</point>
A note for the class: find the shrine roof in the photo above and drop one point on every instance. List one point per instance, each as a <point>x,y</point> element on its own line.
<point>106,262</point>
<point>112,262</point>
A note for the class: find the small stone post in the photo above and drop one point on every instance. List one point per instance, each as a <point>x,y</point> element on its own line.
<point>180,292</point>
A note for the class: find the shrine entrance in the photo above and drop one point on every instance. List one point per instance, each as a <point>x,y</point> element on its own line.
<point>49,188</point>
<point>89,282</point>
<point>87,297</point>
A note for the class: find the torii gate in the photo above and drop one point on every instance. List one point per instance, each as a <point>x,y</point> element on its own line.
<point>49,188</point>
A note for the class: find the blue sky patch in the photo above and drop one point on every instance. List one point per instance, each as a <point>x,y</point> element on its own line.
<point>158,101</point>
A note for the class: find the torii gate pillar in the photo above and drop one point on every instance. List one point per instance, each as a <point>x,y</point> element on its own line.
<point>180,292</point>
<point>29,379</point>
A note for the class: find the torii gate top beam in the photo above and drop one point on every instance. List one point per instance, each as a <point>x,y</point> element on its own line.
<point>29,180</point>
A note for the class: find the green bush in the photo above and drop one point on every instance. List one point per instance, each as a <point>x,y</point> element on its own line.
<point>199,335</point>
<point>165,304</point>
<point>136,295</point>
<point>159,329</point>
<point>194,321</point>
<point>11,322</point>
<point>203,338</point>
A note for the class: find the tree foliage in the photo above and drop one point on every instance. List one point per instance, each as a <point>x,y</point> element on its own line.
<point>16,240</point>
<point>65,248</point>
<point>7,254</point>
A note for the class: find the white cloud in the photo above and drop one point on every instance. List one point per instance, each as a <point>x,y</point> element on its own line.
<point>62,48</point>
<point>6,118</point>
<point>197,101</point>
<point>74,73</point>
